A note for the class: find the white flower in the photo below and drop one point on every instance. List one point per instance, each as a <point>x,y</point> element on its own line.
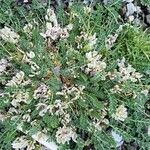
<point>127,72</point>
<point>43,108</point>
<point>116,89</point>
<point>121,113</point>
<point>34,66</point>
<point>16,80</point>
<point>92,41</point>
<point>60,107</point>
<point>89,39</point>
<point>43,139</point>
<point>65,134</point>
<point>48,25</point>
<point>3,117</point>
<point>41,92</point>
<point>66,119</point>
<point>8,35</point>
<point>28,28</point>
<point>27,58</point>
<point>20,143</point>
<point>110,40</point>
<point>55,32</point>
<point>3,65</point>
<point>20,97</point>
<point>87,10</point>
<point>13,111</point>
<point>26,118</point>
<point>31,145</point>
<point>117,138</point>
<point>145,92</point>
<point>74,91</point>
<point>31,54</point>
<point>94,64</point>
<point>69,27</point>
<point>131,18</point>
<point>53,29</point>
<point>51,17</point>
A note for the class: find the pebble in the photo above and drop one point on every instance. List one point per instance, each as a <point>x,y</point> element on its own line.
<point>130,9</point>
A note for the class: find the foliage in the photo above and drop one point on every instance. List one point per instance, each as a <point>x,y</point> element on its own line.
<point>60,92</point>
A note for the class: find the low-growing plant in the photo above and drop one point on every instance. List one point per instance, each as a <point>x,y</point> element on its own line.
<point>75,75</point>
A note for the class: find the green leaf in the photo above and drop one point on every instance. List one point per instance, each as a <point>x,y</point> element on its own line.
<point>95,102</point>
<point>51,121</point>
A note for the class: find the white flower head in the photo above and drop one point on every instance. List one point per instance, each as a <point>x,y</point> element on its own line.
<point>41,92</point>
<point>26,118</point>
<point>20,143</point>
<point>28,28</point>
<point>60,107</point>
<point>8,35</point>
<point>110,40</point>
<point>65,134</point>
<point>127,72</point>
<point>87,10</point>
<point>31,54</point>
<point>121,113</point>
<point>17,79</point>
<point>20,97</point>
<point>69,27</point>
<point>51,16</point>
<point>3,117</point>
<point>53,29</point>
<point>23,143</point>
<point>116,89</point>
<point>145,92</point>
<point>3,65</point>
<point>94,64</point>
<point>43,108</point>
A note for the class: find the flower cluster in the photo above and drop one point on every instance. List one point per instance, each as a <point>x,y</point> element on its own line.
<point>74,91</point>
<point>90,40</point>
<point>4,63</point>
<point>94,64</point>
<point>125,72</point>
<point>20,97</point>
<point>65,134</point>
<point>53,29</point>
<point>8,35</point>
<point>121,113</point>
<point>17,79</point>
<point>22,143</point>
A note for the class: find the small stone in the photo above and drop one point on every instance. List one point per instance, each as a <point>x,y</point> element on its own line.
<point>130,9</point>
<point>148,19</point>
<point>137,22</point>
